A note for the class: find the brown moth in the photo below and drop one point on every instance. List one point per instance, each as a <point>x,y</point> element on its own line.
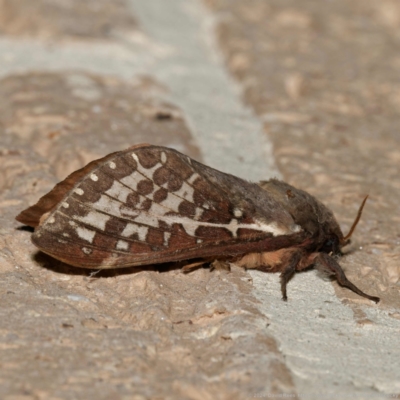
<point>151,204</point>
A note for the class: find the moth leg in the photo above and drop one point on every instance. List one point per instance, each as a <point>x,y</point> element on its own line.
<point>288,273</point>
<point>328,264</point>
<point>193,266</point>
<point>214,264</point>
<point>220,265</point>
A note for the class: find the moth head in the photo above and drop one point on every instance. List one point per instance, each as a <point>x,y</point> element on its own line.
<point>334,243</point>
<point>313,216</point>
<point>331,245</point>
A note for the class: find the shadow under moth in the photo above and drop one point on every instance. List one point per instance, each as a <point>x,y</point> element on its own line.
<point>150,204</point>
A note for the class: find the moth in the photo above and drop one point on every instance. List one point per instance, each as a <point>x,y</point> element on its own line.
<point>150,204</point>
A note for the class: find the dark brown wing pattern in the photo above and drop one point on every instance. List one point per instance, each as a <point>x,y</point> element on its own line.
<point>151,204</point>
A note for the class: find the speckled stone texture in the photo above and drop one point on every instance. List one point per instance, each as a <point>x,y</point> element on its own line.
<point>317,81</point>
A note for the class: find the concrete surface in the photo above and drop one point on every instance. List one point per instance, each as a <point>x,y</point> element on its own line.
<point>237,85</point>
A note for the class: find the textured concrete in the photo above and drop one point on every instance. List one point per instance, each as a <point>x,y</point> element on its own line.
<point>153,71</point>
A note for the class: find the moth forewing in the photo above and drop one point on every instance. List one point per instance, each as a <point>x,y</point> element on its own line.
<point>151,204</point>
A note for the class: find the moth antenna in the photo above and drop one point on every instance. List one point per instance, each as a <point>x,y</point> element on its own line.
<point>347,237</point>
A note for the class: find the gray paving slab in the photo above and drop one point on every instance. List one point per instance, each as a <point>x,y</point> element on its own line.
<point>328,354</point>
<point>186,60</point>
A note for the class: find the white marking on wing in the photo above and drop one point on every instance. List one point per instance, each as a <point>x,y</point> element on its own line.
<point>157,213</point>
<point>128,212</point>
<point>132,180</point>
<point>142,199</point>
<point>86,250</point>
<point>147,172</point>
<point>295,228</point>
<point>170,203</point>
<point>151,195</point>
<point>65,204</point>
<point>130,229</point>
<point>122,245</point>
<point>85,234</point>
<point>237,212</point>
<point>119,191</point>
<point>79,191</point>
<point>191,226</point>
<point>193,178</point>
<point>265,227</point>
<point>147,219</point>
<point>94,177</point>
<point>116,209</point>
<point>198,213</point>
<point>185,192</point>
<point>157,210</point>
<point>112,165</point>
<point>113,207</point>
<point>95,219</point>
<point>167,235</point>
<point>163,157</point>
<point>188,224</point>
